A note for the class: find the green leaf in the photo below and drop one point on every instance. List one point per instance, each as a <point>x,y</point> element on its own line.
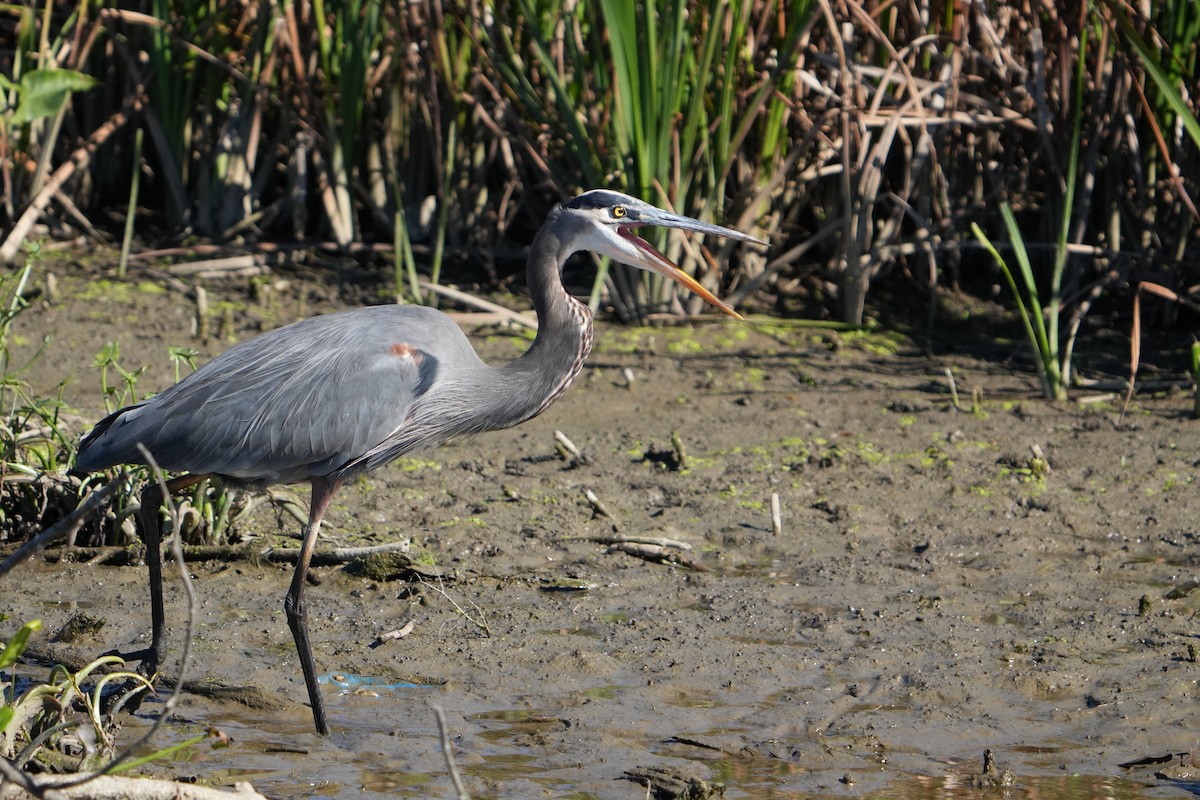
<point>108,355</point>
<point>16,645</point>
<point>1168,87</point>
<point>44,91</point>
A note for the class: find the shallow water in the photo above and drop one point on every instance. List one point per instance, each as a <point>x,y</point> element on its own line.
<point>381,747</point>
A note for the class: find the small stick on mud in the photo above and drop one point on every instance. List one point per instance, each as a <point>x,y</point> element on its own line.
<point>201,313</point>
<point>598,507</point>
<point>776,514</point>
<point>953,389</point>
<point>1114,386</point>
<point>399,633</point>
<point>1092,399</point>
<point>680,453</point>
<point>565,447</point>
<point>658,541</point>
<point>243,266</point>
<point>657,554</point>
<point>1039,463</point>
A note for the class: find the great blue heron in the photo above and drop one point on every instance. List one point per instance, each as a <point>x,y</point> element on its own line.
<point>329,398</point>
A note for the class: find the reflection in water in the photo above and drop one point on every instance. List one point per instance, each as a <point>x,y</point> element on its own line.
<point>1067,787</point>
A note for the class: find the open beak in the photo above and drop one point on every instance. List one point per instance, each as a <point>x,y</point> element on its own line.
<point>648,257</point>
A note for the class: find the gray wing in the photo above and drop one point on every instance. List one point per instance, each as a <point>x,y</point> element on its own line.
<point>291,404</point>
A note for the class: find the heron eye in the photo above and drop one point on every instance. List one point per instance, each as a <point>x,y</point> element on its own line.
<point>618,212</point>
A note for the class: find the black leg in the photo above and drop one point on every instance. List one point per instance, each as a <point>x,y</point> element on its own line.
<point>295,606</point>
<point>152,499</point>
<point>151,505</point>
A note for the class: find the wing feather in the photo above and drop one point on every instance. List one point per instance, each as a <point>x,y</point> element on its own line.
<point>300,401</point>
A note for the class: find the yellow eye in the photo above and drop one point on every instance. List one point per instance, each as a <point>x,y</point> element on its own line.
<point>618,212</point>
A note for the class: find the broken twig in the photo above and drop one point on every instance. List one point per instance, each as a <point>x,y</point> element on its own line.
<point>597,507</point>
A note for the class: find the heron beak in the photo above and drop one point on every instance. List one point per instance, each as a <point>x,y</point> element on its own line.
<point>648,256</point>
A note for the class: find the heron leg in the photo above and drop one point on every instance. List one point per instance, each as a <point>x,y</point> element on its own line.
<point>294,604</point>
<point>151,503</point>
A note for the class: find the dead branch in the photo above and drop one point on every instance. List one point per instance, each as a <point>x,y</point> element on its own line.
<point>110,787</point>
<point>477,302</point>
<point>120,556</point>
<point>616,538</point>
<point>79,159</point>
<point>657,554</point>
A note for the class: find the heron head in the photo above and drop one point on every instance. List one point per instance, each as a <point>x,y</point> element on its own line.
<point>609,219</point>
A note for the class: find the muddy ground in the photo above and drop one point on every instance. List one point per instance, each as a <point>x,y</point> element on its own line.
<point>937,589</point>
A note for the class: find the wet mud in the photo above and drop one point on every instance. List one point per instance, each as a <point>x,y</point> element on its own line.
<point>944,581</point>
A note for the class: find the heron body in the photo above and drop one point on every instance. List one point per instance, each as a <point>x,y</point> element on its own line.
<point>332,397</point>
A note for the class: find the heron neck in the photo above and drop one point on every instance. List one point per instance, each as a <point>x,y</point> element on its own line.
<point>563,341</point>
